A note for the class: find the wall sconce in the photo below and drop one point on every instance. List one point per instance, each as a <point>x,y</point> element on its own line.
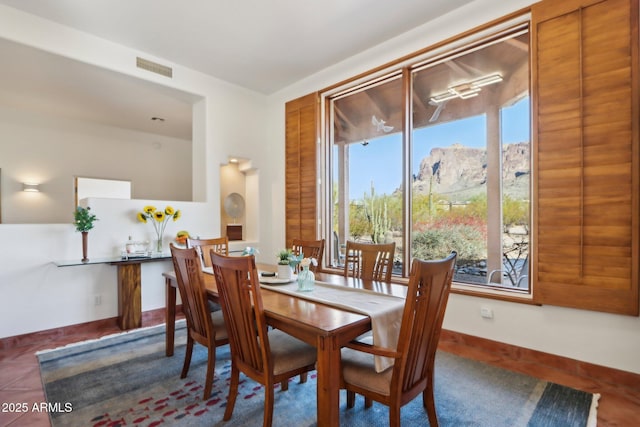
<point>33,188</point>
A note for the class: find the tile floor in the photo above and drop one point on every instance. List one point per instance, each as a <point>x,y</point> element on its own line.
<point>20,380</point>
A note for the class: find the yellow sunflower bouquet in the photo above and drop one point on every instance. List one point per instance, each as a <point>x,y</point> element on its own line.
<point>159,219</point>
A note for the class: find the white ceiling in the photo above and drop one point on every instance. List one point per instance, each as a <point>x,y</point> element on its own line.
<point>262,45</point>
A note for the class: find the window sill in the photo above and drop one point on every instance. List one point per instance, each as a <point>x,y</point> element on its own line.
<point>511,295</point>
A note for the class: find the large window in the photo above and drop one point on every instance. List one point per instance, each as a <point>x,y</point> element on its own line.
<point>436,157</point>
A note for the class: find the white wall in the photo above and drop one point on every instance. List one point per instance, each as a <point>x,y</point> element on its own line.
<point>34,293</point>
<point>600,338</point>
<point>51,151</point>
<point>37,294</point>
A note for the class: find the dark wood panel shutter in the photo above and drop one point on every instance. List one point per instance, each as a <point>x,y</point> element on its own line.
<point>301,170</point>
<point>585,85</point>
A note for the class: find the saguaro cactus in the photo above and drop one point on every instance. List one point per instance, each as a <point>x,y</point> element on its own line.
<point>376,210</point>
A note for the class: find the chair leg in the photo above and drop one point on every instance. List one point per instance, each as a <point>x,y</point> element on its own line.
<point>368,402</point>
<point>187,358</point>
<point>394,416</point>
<point>211,368</point>
<point>303,378</point>
<point>268,405</point>
<point>284,385</point>
<point>351,399</point>
<point>233,393</point>
<point>430,405</point>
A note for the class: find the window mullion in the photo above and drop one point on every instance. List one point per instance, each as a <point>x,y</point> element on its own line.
<point>494,190</point>
<point>407,147</point>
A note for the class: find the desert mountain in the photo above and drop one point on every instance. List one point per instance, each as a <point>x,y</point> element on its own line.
<point>458,173</point>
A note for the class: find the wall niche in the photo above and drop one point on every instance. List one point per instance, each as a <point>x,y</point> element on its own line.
<point>239,200</point>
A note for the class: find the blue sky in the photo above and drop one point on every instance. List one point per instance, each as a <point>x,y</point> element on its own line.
<point>380,161</point>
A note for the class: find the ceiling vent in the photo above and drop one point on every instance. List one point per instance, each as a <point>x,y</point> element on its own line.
<point>154,67</point>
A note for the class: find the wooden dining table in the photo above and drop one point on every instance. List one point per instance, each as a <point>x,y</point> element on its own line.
<point>325,327</point>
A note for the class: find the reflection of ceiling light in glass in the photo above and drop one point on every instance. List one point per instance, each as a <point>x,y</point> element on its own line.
<point>484,81</point>
<point>467,89</point>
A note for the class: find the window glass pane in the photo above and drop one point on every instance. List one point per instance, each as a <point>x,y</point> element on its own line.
<point>471,162</point>
<point>450,194</point>
<point>367,167</point>
<point>516,193</point>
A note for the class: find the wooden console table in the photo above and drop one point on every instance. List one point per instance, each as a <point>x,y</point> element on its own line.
<point>129,286</point>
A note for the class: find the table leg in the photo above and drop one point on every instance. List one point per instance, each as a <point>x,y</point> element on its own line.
<point>170,316</point>
<point>328,367</point>
<point>129,296</point>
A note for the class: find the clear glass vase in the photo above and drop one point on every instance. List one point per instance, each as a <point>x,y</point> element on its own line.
<point>159,245</point>
<point>306,279</point>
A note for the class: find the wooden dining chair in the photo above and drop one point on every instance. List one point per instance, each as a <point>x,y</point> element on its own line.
<point>369,261</point>
<point>412,371</point>
<point>204,246</point>
<point>266,356</point>
<point>203,326</point>
<point>310,249</point>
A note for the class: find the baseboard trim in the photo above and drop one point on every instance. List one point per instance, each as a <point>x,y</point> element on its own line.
<point>456,342</point>
<point>451,341</point>
<point>149,318</point>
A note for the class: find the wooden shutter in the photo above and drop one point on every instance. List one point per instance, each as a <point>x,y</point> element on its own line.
<point>586,153</point>
<point>301,116</point>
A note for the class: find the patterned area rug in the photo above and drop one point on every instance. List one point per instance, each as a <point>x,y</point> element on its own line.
<point>125,379</point>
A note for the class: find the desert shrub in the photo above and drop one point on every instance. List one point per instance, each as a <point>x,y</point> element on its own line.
<point>437,241</point>
<point>359,224</point>
<point>514,212</point>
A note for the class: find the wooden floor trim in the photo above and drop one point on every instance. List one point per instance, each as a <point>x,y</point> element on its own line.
<point>149,317</point>
<point>606,374</point>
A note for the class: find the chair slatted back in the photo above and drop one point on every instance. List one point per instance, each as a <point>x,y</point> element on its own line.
<point>204,246</point>
<point>310,249</point>
<point>188,269</point>
<point>369,261</point>
<point>239,293</point>
<point>427,296</point>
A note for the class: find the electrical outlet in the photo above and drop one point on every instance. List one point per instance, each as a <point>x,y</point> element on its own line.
<point>486,312</point>
<point>97,300</point>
